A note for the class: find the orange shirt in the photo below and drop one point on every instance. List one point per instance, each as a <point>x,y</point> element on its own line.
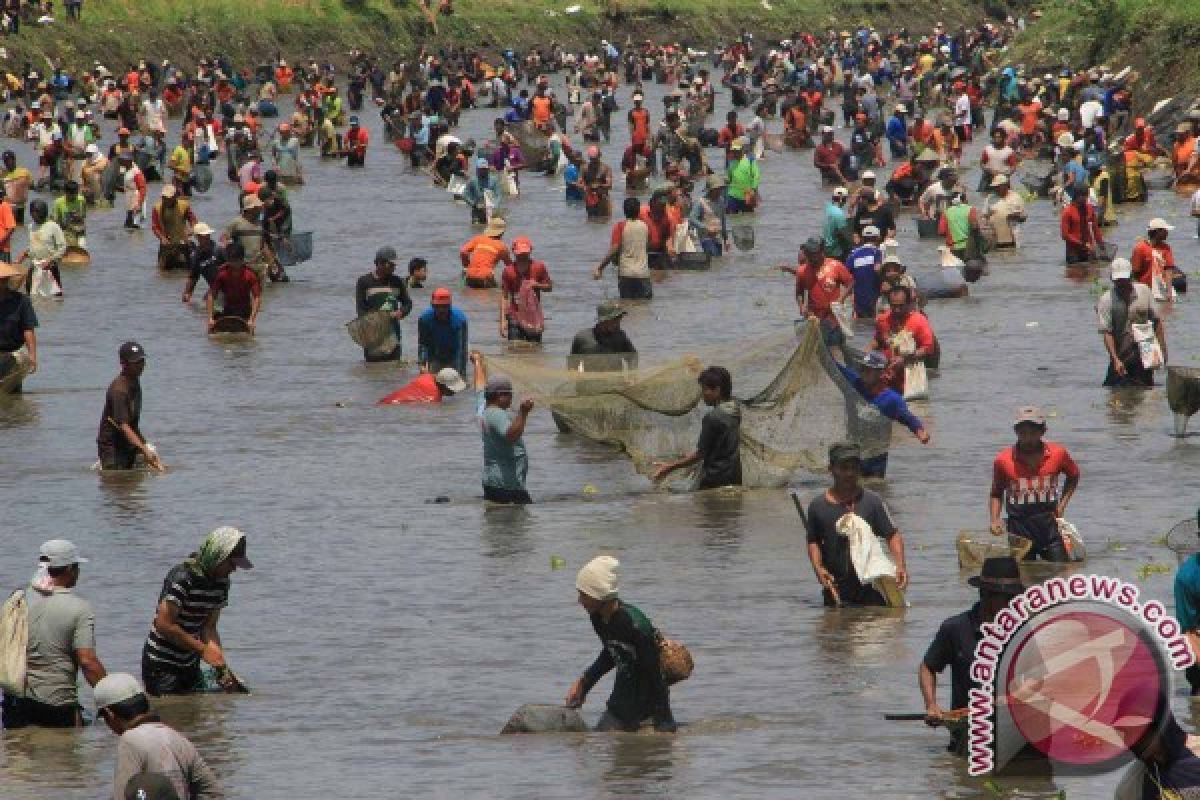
<point>483,253</point>
<point>540,107</point>
<point>1029,116</point>
<point>8,224</point>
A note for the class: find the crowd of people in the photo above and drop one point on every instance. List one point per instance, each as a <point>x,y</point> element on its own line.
<point>864,101</point>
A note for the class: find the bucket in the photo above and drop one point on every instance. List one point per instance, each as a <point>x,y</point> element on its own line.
<point>927,228</point>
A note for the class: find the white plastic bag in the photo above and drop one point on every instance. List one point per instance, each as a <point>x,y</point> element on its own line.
<point>508,185</point>
<point>1148,346</point>
<point>1072,541</point>
<point>14,644</point>
<point>44,284</point>
<point>844,314</point>
<point>916,382</point>
<point>1162,290</point>
<point>871,561</point>
<point>455,186</point>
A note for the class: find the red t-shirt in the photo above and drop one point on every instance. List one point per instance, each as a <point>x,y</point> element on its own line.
<point>1023,487</point>
<point>510,280</point>
<point>822,285</point>
<point>422,389</point>
<point>1142,260</point>
<point>238,286</point>
<point>917,324</point>
<point>828,155</point>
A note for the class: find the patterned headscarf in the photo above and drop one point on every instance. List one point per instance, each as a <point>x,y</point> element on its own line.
<point>216,548</point>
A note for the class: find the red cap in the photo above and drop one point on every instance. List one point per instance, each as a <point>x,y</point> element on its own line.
<point>122,131</point>
<point>441,296</point>
<point>521,245</point>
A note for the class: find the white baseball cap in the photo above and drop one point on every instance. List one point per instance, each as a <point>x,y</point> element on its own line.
<point>868,176</point>
<point>1121,269</point>
<point>450,378</point>
<point>870,232</point>
<point>116,687</point>
<point>61,553</point>
<point>202,229</point>
<point>841,192</point>
<point>1159,224</point>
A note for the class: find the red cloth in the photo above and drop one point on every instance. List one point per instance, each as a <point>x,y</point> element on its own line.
<point>1037,486</point>
<point>822,285</point>
<point>422,389</point>
<point>828,155</point>
<point>356,139</point>
<point>1077,225</point>
<point>886,327</point>
<point>510,280</point>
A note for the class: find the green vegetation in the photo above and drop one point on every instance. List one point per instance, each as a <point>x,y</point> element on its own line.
<point>117,32</point>
<point>1157,39</point>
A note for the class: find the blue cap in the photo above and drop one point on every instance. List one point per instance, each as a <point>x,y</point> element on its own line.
<point>354,120</point>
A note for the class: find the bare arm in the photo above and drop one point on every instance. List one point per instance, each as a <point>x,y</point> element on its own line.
<point>517,428</point>
<point>1067,492</point>
<point>89,664</point>
<point>824,576</point>
<point>995,506</point>
<point>927,680</point>
<point>166,624</point>
<point>896,546</point>
<point>31,346</point>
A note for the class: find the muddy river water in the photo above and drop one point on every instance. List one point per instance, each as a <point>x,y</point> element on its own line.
<point>387,639</point>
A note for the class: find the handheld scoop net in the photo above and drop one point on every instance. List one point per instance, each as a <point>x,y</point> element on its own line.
<point>794,403</point>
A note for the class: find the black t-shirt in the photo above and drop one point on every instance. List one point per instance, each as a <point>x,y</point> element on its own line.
<point>862,142</point>
<point>631,645</point>
<point>607,352</point>
<point>122,404</point>
<point>823,516</point>
<point>372,293</point>
<point>719,443</point>
<point>205,263</point>
<point>954,647</point>
<point>16,317</point>
<point>882,218</point>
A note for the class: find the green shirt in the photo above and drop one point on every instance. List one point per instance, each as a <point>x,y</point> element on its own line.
<point>958,222</point>
<point>743,176</point>
<point>836,224</point>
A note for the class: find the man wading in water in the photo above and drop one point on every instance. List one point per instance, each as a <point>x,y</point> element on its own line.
<point>829,550</point>
<point>954,645</point>
<point>1025,478</point>
<point>120,440</point>
<point>184,630</point>
<point>717,449</point>
<point>631,645</point>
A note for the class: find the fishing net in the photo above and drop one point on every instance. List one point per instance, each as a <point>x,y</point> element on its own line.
<point>795,403</point>
<point>1184,538</point>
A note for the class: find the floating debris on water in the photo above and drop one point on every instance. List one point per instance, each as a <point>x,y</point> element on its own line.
<point>557,562</point>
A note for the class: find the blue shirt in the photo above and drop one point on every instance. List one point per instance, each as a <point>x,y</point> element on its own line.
<point>443,342</point>
<point>505,463</point>
<point>897,131</point>
<point>863,263</point>
<point>1073,167</point>
<point>891,404</point>
<point>1187,594</point>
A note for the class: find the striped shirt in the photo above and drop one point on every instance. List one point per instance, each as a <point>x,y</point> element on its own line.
<point>196,597</point>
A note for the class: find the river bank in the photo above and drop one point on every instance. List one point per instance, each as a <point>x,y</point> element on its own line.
<point>117,32</point>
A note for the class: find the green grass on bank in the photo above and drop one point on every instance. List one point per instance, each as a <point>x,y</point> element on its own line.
<point>1159,39</point>
<point>250,31</point>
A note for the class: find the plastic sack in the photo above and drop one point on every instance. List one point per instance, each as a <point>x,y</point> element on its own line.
<point>1148,346</point>
<point>508,185</point>
<point>455,186</point>
<point>14,643</point>
<point>867,554</point>
<point>916,382</point>
<point>529,315</point>
<point>844,314</point>
<point>43,284</point>
<point>1072,541</point>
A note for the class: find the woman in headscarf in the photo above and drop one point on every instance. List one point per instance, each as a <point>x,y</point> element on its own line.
<point>184,630</point>
<point>631,645</point>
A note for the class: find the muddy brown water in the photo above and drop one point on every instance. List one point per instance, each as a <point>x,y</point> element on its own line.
<point>387,639</point>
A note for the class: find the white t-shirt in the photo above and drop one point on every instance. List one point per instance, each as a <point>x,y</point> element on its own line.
<point>1088,111</point>
<point>962,110</point>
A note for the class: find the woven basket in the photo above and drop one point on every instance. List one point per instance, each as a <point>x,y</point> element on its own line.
<point>675,660</point>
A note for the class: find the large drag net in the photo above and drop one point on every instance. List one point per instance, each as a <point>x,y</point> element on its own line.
<point>795,403</point>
